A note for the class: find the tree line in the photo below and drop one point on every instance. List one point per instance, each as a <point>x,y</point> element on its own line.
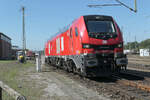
<point>145,44</point>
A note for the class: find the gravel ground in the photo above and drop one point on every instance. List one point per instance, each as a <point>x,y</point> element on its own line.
<point>60,87</point>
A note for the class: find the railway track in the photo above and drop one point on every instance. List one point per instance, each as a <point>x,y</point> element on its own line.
<point>129,87</point>
<point>128,82</point>
<point>125,86</point>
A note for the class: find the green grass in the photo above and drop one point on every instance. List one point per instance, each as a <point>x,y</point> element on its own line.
<point>11,73</point>
<point>6,61</point>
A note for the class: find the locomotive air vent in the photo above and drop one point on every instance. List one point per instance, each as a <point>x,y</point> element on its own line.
<point>104,47</point>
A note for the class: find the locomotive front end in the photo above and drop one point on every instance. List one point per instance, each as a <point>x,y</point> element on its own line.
<point>102,46</point>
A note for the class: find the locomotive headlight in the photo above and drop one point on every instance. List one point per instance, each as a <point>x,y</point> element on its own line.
<point>86,46</point>
<point>120,45</point>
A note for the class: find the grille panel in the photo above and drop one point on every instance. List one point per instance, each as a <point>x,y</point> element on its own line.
<point>104,47</point>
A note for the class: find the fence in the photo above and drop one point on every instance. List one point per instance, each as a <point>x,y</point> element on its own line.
<point>15,95</point>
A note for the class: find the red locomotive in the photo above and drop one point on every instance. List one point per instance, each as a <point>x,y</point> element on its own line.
<point>92,46</point>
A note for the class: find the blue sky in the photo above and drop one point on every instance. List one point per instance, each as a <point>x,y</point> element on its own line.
<point>44,18</point>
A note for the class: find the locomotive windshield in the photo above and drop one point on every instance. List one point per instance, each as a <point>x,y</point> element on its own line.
<point>100,26</point>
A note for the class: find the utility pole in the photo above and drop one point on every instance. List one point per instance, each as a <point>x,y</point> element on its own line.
<point>135,6</point>
<point>23,31</point>
<point>129,42</point>
<point>135,43</point>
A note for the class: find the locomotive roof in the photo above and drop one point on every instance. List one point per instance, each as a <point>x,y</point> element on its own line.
<point>104,17</point>
<point>95,15</point>
<point>64,29</point>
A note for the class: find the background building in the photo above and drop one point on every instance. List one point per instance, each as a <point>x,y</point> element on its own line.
<point>5,47</point>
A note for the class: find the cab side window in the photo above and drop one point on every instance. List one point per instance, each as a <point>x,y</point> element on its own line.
<point>71,32</point>
<point>76,31</point>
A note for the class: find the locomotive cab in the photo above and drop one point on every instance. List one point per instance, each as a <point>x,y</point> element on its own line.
<point>102,46</point>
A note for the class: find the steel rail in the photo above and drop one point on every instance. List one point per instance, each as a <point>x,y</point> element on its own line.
<point>132,83</point>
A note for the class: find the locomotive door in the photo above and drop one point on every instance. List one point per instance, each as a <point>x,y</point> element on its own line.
<point>77,41</point>
<point>71,40</point>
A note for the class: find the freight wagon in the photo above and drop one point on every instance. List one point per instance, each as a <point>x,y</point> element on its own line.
<point>5,47</point>
<point>91,46</point>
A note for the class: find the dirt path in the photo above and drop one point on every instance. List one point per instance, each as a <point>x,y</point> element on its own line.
<point>54,86</point>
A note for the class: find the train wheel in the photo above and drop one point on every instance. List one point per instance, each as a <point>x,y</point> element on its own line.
<point>45,60</point>
<point>74,68</point>
<point>82,72</point>
<point>69,66</point>
<point>65,66</point>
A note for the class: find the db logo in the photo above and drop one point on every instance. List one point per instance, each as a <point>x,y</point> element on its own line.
<point>104,42</point>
